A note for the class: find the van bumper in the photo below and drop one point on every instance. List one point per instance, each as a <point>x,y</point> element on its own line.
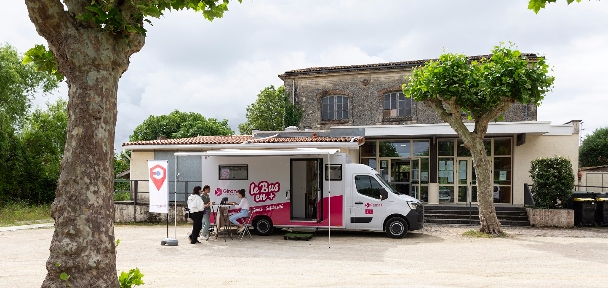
<point>416,218</point>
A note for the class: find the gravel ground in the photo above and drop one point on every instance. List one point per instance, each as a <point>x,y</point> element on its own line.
<point>438,256</point>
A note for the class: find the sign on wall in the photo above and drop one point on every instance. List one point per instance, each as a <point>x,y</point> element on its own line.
<point>158,186</point>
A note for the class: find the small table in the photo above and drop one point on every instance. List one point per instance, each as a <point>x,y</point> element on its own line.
<point>222,223</point>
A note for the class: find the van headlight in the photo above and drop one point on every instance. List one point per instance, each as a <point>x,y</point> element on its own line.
<point>413,205</point>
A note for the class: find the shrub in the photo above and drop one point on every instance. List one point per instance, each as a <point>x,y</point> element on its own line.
<point>553,182</point>
<point>122,196</point>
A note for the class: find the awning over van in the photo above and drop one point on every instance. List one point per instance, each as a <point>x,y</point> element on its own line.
<point>265,152</point>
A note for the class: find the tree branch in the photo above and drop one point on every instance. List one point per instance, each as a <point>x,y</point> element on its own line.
<point>49,17</point>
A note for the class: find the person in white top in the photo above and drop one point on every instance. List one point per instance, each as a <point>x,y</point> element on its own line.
<point>197,207</point>
<point>244,212</point>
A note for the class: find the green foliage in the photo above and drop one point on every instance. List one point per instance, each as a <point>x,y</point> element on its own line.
<point>477,88</point>
<point>110,16</point>
<point>272,111</point>
<point>179,125</point>
<point>23,170</point>
<point>43,61</point>
<point>536,5</point>
<point>553,182</point>
<point>133,278</point>
<point>65,277</point>
<point>594,149</point>
<point>122,196</point>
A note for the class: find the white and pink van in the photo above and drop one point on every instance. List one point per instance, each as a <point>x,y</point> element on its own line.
<point>316,188</point>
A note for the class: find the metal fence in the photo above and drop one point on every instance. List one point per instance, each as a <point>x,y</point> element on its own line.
<point>594,182</point>
<point>137,190</point>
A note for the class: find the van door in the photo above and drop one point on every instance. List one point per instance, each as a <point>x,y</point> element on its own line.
<point>306,190</point>
<point>368,210</point>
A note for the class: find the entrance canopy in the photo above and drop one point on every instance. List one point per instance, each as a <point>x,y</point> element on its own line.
<point>264,152</point>
<point>444,129</point>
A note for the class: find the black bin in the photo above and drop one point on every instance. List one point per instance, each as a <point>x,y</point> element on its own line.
<point>601,209</point>
<point>584,211</point>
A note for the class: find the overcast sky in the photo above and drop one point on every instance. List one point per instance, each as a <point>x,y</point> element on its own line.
<point>218,68</point>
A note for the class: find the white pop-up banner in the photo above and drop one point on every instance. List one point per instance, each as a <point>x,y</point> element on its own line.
<point>158,186</point>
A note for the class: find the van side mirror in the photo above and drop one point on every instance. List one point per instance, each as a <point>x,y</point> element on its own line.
<point>383,194</point>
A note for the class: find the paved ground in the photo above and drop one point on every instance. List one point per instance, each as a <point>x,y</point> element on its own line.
<point>439,256</point>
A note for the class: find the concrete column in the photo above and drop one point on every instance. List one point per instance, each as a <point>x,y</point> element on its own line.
<point>433,193</point>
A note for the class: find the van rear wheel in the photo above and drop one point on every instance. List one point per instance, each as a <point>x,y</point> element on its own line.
<point>263,226</point>
<point>396,227</point>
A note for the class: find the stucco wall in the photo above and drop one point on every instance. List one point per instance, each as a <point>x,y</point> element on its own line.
<point>537,146</point>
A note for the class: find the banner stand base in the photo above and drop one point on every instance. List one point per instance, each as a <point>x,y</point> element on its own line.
<point>169,242</point>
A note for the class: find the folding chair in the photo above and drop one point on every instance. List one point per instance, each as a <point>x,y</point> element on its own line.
<point>246,225</point>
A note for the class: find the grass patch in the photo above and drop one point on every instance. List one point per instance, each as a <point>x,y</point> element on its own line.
<point>13,214</point>
<point>478,234</point>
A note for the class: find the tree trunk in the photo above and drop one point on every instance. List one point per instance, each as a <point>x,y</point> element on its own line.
<point>92,60</point>
<point>83,243</point>
<point>483,167</point>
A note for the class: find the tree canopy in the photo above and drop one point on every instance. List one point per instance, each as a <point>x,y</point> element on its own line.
<point>459,89</point>
<point>179,125</point>
<point>22,179</point>
<point>594,149</point>
<point>272,111</point>
<point>536,5</point>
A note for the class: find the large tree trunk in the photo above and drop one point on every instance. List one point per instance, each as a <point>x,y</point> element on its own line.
<point>451,113</point>
<point>483,167</point>
<point>92,61</point>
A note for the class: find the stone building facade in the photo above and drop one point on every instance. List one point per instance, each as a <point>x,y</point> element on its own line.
<point>366,87</point>
<point>409,145</point>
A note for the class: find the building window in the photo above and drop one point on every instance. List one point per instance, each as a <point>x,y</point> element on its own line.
<point>396,105</point>
<point>334,108</point>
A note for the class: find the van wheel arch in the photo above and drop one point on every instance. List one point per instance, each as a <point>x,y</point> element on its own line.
<point>396,226</point>
<point>263,225</point>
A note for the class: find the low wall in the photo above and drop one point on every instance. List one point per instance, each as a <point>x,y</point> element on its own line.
<point>126,211</point>
<point>563,218</point>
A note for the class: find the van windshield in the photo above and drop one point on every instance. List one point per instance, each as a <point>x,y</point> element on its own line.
<point>388,186</point>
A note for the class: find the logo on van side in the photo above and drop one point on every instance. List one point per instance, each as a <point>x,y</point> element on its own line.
<point>367,205</point>
<point>220,191</point>
<point>264,190</point>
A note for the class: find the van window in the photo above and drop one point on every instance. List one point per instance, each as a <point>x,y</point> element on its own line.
<point>368,186</point>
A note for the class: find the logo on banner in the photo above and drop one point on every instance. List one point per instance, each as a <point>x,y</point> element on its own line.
<point>158,175</point>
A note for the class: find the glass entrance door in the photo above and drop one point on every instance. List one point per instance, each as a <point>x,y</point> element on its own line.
<point>466,180</point>
<point>400,175</point>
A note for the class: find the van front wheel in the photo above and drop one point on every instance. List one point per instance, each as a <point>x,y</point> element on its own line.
<point>396,227</point>
<point>263,226</point>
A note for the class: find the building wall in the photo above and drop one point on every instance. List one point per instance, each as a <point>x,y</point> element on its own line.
<point>366,97</point>
<point>537,146</point>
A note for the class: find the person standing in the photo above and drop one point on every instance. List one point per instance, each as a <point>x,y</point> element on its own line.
<point>244,212</point>
<point>197,208</point>
<point>207,204</point>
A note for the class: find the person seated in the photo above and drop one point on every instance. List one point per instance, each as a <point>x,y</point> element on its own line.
<point>244,212</point>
